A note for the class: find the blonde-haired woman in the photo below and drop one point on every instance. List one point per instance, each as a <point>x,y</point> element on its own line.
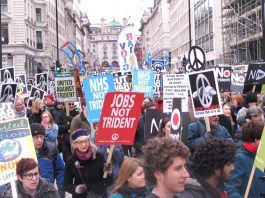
<point>51,128</point>
<point>84,169</point>
<point>131,180</point>
<point>37,109</point>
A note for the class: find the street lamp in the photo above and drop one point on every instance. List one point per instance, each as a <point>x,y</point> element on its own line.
<point>58,66</point>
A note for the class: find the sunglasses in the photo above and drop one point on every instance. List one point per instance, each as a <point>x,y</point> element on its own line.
<point>71,104</point>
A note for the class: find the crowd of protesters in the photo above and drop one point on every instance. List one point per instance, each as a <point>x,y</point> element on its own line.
<point>213,163</point>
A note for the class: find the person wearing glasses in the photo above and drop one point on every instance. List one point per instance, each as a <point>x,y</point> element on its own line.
<point>83,176</point>
<point>29,183</point>
<point>50,162</point>
<point>51,128</point>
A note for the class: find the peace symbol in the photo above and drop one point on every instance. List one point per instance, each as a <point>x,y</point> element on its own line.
<point>36,94</point>
<point>7,78</point>
<point>42,82</point>
<point>7,94</point>
<point>20,83</point>
<point>196,58</point>
<point>115,136</point>
<point>204,92</point>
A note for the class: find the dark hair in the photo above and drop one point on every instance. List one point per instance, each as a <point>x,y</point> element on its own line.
<point>212,154</point>
<point>161,133</point>
<point>24,165</point>
<point>146,97</point>
<point>252,130</point>
<point>148,105</point>
<point>159,154</point>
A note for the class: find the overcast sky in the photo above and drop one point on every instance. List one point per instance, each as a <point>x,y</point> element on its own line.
<point>97,9</point>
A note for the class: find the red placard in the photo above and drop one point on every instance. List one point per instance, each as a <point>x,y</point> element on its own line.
<point>119,118</point>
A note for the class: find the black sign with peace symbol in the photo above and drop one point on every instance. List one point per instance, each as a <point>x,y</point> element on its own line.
<point>196,58</point>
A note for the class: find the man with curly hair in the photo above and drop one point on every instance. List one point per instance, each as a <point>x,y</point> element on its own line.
<point>164,166</point>
<point>211,166</point>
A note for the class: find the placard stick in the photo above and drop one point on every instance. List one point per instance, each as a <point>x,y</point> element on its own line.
<point>250,181</point>
<point>13,188</point>
<point>109,159</point>
<point>254,88</point>
<point>207,124</point>
<point>67,108</point>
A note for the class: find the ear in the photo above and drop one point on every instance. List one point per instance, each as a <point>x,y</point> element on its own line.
<point>217,172</point>
<point>158,175</point>
<point>257,141</point>
<point>20,178</point>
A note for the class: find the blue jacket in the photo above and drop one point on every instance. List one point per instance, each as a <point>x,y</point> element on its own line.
<point>197,133</point>
<point>238,179</point>
<point>51,164</point>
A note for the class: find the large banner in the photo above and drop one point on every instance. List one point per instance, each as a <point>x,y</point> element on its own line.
<point>143,81</point>
<point>126,45</point>
<point>96,89</point>
<point>119,118</point>
<point>122,82</point>
<point>237,81</point>
<point>153,119</point>
<point>65,87</point>
<point>223,74</point>
<point>255,74</point>
<point>15,143</point>
<point>174,85</point>
<point>205,94</point>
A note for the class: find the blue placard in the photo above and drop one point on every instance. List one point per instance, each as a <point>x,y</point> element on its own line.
<point>95,90</point>
<point>143,81</point>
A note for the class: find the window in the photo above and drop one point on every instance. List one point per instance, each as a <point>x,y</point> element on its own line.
<point>39,40</point>
<point>4,6</point>
<point>38,14</point>
<point>4,32</point>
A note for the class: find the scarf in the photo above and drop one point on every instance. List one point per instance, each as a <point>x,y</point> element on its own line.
<point>21,114</point>
<point>84,156</point>
<point>249,147</point>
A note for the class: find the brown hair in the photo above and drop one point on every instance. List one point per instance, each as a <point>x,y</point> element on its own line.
<point>164,122</point>
<point>24,165</point>
<point>252,130</point>
<point>128,167</point>
<point>238,98</point>
<point>159,154</point>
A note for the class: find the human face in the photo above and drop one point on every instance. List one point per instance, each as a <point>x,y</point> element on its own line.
<point>234,103</point>
<point>41,105</point>
<point>227,110</point>
<point>256,118</point>
<point>38,141</point>
<point>19,106</point>
<point>213,120</point>
<point>71,106</point>
<point>82,144</point>
<point>30,180</point>
<point>225,172</point>
<point>137,179</point>
<point>173,179</point>
<point>167,129</point>
<point>45,118</point>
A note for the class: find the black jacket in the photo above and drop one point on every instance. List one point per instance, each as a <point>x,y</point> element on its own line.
<point>139,136</point>
<point>89,172</point>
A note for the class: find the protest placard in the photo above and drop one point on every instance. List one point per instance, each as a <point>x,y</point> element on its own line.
<point>153,119</point>
<point>7,75</point>
<point>237,81</point>
<point>174,85</point>
<point>205,94</point>
<point>8,92</point>
<point>143,81</point>
<point>22,89</point>
<point>119,118</point>
<point>260,156</point>
<point>65,87</point>
<point>121,82</point>
<point>96,89</point>
<point>223,74</point>
<point>41,81</point>
<point>7,111</point>
<point>158,85</point>
<point>15,143</point>
<point>79,92</point>
<point>36,93</point>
